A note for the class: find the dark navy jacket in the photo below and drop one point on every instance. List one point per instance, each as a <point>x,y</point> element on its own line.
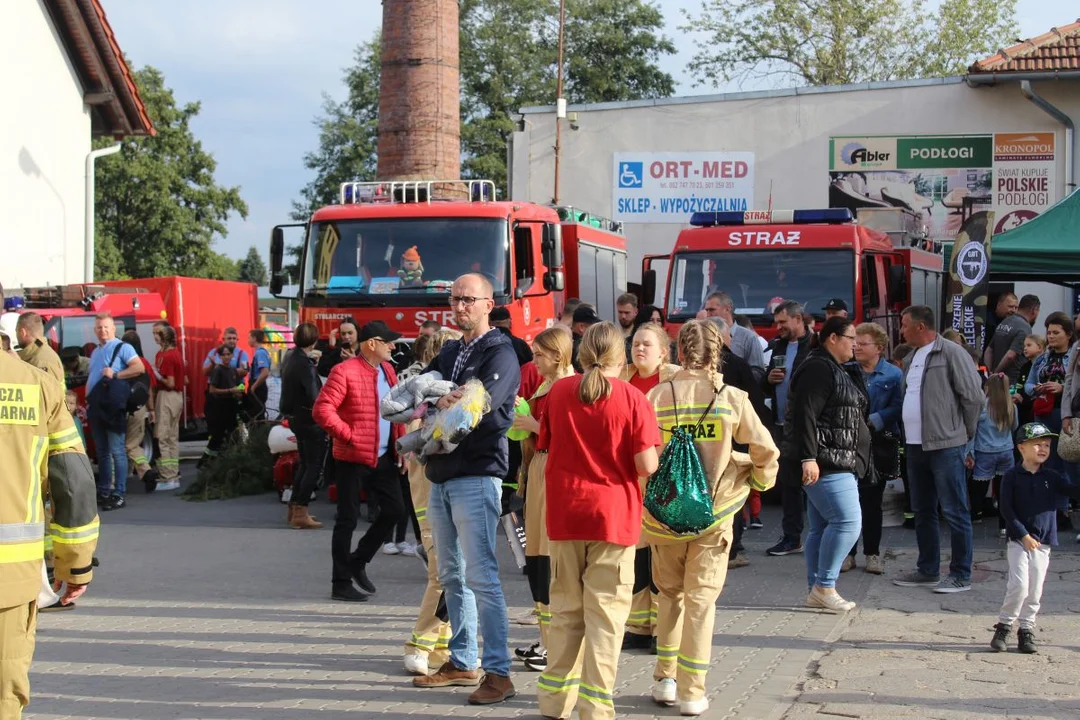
<point>1029,502</point>
<point>484,451</point>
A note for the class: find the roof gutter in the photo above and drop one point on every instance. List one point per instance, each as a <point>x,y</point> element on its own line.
<point>1025,80</point>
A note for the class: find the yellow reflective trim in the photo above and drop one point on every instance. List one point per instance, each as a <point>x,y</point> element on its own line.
<point>64,439</point>
<point>22,552</point>
<point>73,536</point>
<point>33,494</point>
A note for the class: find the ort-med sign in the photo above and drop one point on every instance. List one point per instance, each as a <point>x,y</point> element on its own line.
<point>669,187</point>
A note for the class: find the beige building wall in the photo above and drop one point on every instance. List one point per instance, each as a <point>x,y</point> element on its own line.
<point>44,139</point>
<point>788,132</point>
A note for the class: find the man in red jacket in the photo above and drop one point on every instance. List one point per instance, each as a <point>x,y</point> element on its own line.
<point>364,448</point>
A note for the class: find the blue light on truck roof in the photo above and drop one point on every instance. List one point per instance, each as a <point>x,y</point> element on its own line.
<point>831,216</point>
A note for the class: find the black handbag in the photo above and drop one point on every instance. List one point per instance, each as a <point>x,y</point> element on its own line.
<point>885,451</point>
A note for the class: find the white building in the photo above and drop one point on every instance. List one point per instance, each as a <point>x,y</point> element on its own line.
<point>65,83</point>
<point>1001,136</point>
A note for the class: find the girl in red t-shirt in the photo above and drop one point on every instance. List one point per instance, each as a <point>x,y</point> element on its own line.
<point>168,407</point>
<point>601,436</point>
<point>650,354</point>
<point>553,351</point>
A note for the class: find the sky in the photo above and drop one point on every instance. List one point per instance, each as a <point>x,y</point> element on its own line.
<point>259,69</point>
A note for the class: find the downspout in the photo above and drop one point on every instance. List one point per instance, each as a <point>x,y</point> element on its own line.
<point>1070,131</point>
<point>88,240</point>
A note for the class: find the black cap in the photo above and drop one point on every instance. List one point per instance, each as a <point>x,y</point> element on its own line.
<point>835,304</point>
<point>377,329</point>
<point>586,314</point>
<point>499,314</point>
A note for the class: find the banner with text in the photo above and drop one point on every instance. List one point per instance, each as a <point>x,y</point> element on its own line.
<point>945,179</point>
<point>670,187</point>
<point>969,279</point>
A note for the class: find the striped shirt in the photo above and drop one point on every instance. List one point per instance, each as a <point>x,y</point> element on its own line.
<point>464,353</point>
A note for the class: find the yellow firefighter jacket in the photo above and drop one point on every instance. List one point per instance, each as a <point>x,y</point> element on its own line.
<point>41,355</point>
<point>667,370</point>
<point>731,474</point>
<point>43,459</point>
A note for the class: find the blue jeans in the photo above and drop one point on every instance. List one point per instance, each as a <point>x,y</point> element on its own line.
<point>111,458</point>
<point>464,515</point>
<point>939,476</point>
<point>835,519</point>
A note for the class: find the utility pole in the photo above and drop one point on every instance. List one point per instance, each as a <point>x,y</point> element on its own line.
<point>560,101</point>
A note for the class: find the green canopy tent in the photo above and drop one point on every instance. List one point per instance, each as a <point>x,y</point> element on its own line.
<point>1046,248</point>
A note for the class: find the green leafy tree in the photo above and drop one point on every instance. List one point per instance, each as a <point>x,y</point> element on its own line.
<point>509,60</point>
<point>348,135</point>
<point>508,57</point>
<point>837,42</point>
<point>158,209</point>
<point>252,269</point>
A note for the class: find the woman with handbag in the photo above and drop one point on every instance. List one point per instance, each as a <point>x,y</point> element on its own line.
<point>826,430</point>
<point>884,383</point>
<point>1046,384</point>
<point>650,355</point>
<point>689,570</point>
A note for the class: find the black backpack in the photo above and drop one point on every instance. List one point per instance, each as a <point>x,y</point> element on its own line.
<point>138,393</point>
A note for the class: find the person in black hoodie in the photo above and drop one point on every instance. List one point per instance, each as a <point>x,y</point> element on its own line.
<point>300,385</point>
<point>465,501</point>
<point>342,346</point>
<point>827,434</point>
<point>789,349</point>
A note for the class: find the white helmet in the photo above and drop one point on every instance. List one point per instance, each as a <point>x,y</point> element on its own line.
<point>7,327</point>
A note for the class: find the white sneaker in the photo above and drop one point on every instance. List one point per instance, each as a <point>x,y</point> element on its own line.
<point>390,549</point>
<point>665,692</point>
<point>694,707</point>
<point>169,485</point>
<point>416,663</point>
<point>406,548</point>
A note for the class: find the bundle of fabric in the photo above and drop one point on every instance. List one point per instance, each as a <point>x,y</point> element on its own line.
<point>411,399</point>
<point>443,430</point>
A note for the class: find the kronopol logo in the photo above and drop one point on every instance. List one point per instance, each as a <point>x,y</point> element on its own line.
<point>856,154</point>
<point>972,264</point>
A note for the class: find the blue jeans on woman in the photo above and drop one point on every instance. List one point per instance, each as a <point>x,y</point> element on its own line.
<point>835,519</point>
<point>111,458</point>
<point>464,515</point>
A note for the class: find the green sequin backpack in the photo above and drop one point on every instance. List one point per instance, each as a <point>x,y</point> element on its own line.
<point>677,494</point>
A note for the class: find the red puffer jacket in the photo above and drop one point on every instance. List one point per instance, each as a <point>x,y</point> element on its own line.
<point>348,410</point>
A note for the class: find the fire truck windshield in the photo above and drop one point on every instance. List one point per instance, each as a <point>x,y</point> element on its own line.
<point>402,261</point>
<point>756,278</point>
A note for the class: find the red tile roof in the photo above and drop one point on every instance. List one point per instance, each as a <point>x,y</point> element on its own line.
<point>141,119</point>
<point>1056,50</point>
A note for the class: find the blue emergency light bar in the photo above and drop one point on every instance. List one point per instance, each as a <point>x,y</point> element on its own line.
<point>828,216</point>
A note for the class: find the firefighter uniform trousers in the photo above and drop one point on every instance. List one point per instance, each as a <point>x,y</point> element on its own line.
<point>645,604</point>
<point>537,555</point>
<point>170,406</point>
<point>136,433</point>
<point>430,635</point>
<point>690,576</point>
<point>17,627</point>
<point>591,587</point>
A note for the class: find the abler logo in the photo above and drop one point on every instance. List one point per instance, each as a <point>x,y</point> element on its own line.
<point>856,153</point>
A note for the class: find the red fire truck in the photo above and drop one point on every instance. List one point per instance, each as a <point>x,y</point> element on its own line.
<point>353,256</point>
<point>199,309</point>
<point>811,256</point>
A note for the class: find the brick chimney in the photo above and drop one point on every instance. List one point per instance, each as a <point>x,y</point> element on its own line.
<point>419,105</point>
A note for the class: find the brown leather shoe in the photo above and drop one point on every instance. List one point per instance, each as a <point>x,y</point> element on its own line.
<point>494,689</point>
<point>301,520</point>
<point>449,674</point>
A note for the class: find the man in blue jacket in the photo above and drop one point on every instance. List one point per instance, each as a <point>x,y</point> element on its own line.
<point>465,499</point>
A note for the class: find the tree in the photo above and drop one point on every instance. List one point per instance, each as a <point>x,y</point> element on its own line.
<point>837,42</point>
<point>252,269</point>
<point>158,209</point>
<point>509,60</point>
<point>348,134</point>
<point>508,52</point>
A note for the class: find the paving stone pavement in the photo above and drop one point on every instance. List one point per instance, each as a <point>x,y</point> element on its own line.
<point>217,610</point>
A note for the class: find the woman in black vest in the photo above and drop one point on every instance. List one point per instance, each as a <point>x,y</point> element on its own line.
<point>828,434</point>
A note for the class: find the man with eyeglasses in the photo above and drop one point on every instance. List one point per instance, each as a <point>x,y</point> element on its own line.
<point>365,453</point>
<point>466,495</point>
